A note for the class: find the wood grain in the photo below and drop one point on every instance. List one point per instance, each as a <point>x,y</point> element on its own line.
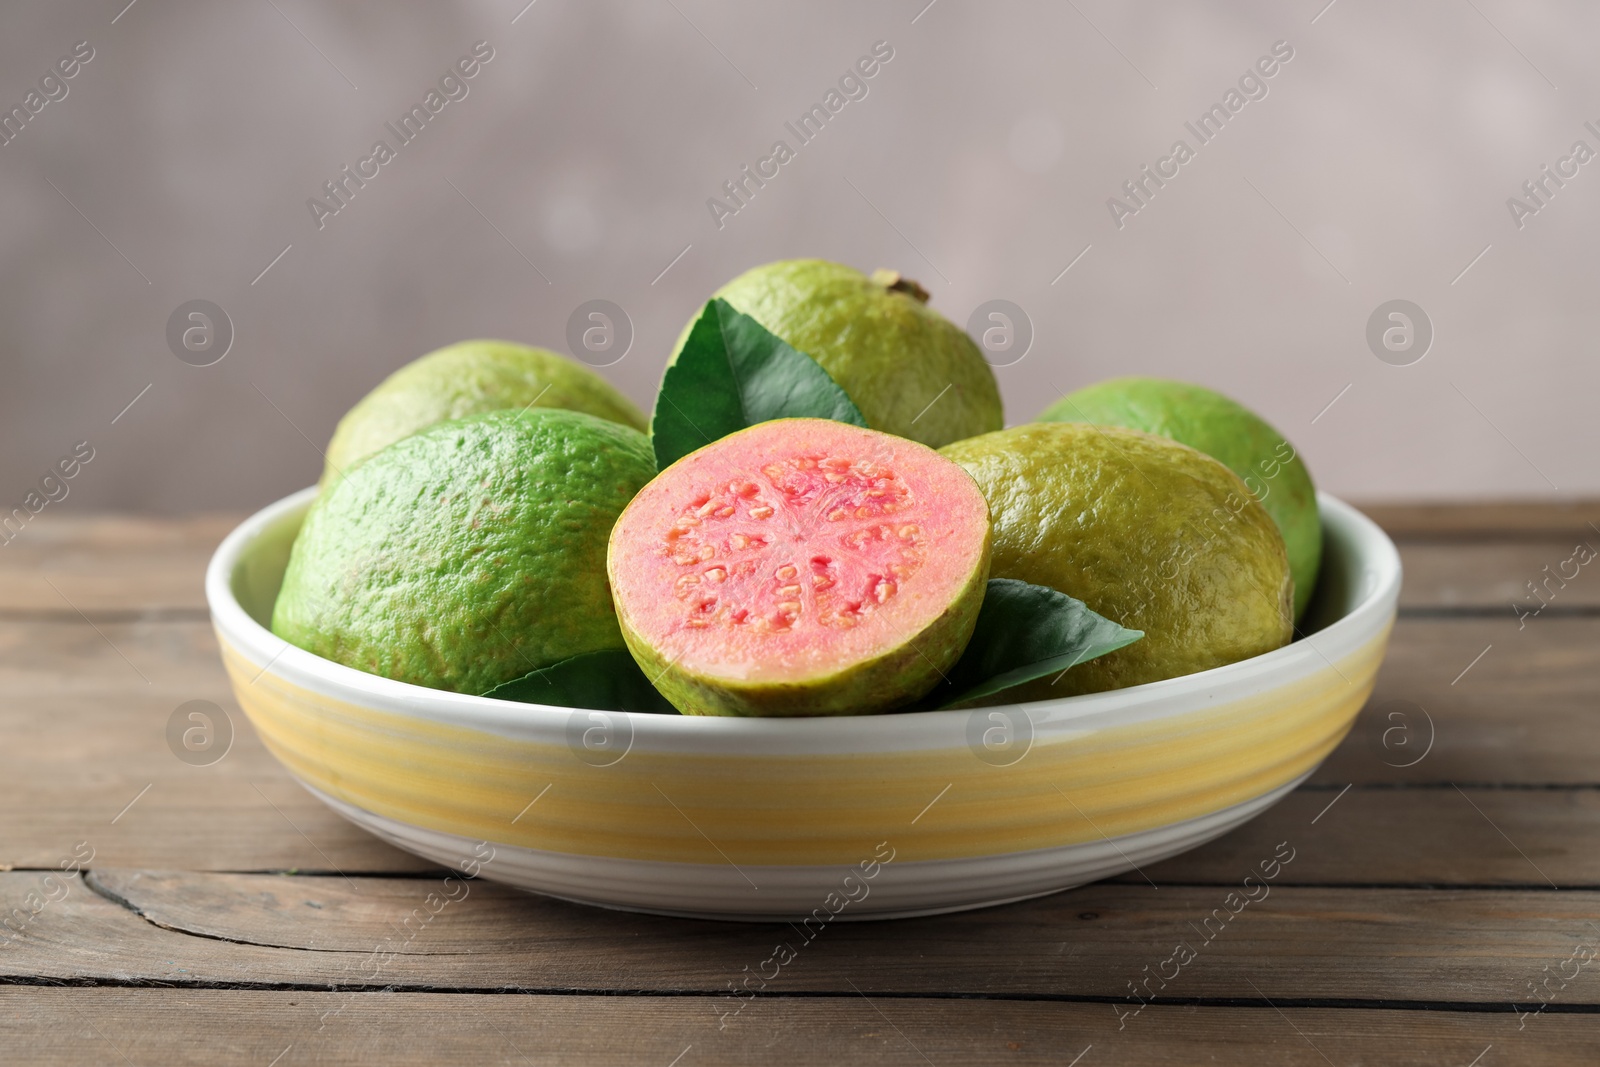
<point>1420,837</point>
<point>1296,943</point>
<point>1505,520</point>
<point>85,716</point>
<point>208,1027</point>
<point>1493,577</point>
<point>1506,706</point>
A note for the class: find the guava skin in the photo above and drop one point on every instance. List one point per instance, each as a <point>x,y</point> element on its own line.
<point>1225,430</point>
<point>801,567</point>
<point>464,379</point>
<point>892,354</point>
<point>1150,533</point>
<point>468,554</point>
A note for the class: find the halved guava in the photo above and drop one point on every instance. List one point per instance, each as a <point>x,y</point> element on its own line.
<point>801,567</point>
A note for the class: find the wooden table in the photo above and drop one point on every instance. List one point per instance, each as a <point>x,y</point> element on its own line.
<point>1438,895</point>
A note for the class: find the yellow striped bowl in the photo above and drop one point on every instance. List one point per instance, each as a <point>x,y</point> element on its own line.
<point>885,815</point>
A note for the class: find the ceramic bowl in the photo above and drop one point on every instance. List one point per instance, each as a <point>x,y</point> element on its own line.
<point>807,819</point>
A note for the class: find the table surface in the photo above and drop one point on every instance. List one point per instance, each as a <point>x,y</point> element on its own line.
<point>1442,906</point>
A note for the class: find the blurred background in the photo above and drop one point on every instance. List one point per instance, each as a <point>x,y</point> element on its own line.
<point>176,165</point>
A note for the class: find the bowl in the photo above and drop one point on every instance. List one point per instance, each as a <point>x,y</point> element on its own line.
<point>807,819</point>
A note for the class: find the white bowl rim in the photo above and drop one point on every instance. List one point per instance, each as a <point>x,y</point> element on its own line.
<point>1375,553</point>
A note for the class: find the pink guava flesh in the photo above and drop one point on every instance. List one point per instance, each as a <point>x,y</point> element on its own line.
<point>801,567</point>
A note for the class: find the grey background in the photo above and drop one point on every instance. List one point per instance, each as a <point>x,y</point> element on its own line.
<point>981,160</point>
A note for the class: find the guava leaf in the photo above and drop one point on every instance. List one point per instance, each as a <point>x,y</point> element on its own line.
<point>732,373</point>
<point>608,680</point>
<point>1024,632</point>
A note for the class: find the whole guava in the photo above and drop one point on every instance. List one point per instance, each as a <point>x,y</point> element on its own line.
<point>1150,533</point>
<point>468,554</point>
<point>909,370</point>
<point>464,379</point>
<point>1225,430</point>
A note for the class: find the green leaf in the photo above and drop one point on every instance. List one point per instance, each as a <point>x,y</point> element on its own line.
<point>1025,632</point>
<point>608,680</point>
<point>732,373</point>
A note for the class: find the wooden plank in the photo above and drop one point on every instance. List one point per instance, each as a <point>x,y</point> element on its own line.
<point>109,564</point>
<point>1418,837</point>
<point>219,1027</point>
<point>1500,705</point>
<point>84,715</point>
<point>1431,837</point>
<point>86,735</point>
<point>118,565</point>
<point>1495,576</point>
<point>1293,943</point>
<point>1503,520</point>
<point>165,579</point>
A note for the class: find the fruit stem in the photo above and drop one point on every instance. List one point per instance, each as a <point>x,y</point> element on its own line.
<point>892,280</point>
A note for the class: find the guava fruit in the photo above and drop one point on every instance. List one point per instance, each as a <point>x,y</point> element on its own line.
<point>464,379</point>
<point>1148,532</point>
<point>1225,430</point>
<point>910,371</point>
<point>468,554</point>
<point>801,567</point>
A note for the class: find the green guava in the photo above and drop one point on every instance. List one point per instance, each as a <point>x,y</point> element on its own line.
<point>464,379</point>
<point>1150,533</point>
<point>1224,430</point>
<point>801,567</point>
<point>468,554</point>
<point>909,370</point>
